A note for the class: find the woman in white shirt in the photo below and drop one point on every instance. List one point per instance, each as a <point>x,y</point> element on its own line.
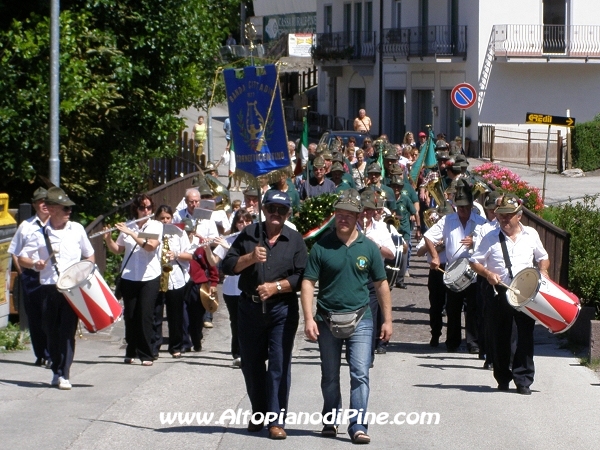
<point>179,262</point>
<point>231,293</point>
<point>140,278</point>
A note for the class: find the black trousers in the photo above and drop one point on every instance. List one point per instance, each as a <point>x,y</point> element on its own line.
<point>60,323</point>
<point>454,307</point>
<point>523,369</point>
<point>174,303</point>
<point>437,300</point>
<point>231,301</point>
<point>484,297</point>
<point>195,314</point>
<point>33,301</point>
<point>140,299</point>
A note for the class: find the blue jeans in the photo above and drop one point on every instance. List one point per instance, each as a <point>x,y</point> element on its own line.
<point>358,348</point>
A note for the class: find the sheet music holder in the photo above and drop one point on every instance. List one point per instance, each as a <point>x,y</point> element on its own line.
<point>202,214</point>
<point>172,229</point>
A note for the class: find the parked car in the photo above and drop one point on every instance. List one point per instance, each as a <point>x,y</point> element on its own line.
<point>330,135</point>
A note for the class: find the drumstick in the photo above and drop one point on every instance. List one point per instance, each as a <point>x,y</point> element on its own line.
<point>515,290</point>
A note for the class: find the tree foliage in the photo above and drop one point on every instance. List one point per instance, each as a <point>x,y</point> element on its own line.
<point>127,68</point>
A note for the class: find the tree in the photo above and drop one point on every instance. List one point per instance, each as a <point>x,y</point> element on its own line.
<point>127,69</point>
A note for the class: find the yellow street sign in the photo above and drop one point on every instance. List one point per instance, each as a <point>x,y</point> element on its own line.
<point>545,119</point>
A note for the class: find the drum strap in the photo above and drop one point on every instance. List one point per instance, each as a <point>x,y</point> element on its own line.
<point>507,262</point>
<point>50,250</point>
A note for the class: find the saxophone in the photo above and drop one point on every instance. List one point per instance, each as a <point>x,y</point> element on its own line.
<point>166,267</point>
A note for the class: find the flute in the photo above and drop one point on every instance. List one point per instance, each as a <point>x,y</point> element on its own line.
<point>211,241</point>
<point>100,233</point>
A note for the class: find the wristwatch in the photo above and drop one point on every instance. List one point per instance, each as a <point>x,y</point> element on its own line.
<point>278,284</point>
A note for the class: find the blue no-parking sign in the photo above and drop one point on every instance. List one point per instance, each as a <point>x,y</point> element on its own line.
<point>463,96</point>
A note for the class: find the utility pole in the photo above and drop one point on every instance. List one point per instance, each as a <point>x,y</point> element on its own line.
<point>54,162</point>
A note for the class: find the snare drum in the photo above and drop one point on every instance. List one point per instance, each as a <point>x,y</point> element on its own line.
<point>544,300</point>
<point>459,275</point>
<point>89,296</point>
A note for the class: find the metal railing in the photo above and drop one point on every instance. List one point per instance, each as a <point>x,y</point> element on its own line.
<point>438,40</point>
<point>345,46</point>
<point>572,41</point>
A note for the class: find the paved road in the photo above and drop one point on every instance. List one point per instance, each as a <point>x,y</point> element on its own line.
<point>118,406</point>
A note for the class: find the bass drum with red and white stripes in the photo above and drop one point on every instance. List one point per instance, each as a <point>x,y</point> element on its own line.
<point>90,297</point>
<point>544,300</point>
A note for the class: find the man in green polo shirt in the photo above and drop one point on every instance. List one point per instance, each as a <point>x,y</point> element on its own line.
<point>342,263</point>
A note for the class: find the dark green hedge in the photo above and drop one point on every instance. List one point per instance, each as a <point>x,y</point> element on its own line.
<point>582,220</point>
<point>586,145</point>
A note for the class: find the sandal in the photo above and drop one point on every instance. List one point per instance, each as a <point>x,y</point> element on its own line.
<point>360,437</point>
<point>147,363</point>
<point>129,360</point>
<point>176,355</point>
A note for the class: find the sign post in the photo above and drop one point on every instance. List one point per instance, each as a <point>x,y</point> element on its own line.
<point>463,97</point>
<point>543,119</point>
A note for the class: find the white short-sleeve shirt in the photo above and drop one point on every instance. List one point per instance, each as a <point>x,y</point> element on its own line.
<point>521,252</point>
<point>69,244</point>
<point>143,265</point>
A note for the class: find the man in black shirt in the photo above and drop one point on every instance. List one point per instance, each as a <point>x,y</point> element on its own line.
<point>271,269</point>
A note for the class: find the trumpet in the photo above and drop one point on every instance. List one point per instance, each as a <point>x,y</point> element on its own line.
<point>100,233</point>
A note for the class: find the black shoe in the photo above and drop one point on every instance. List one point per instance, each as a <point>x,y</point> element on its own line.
<point>473,349</point>
<point>255,427</point>
<point>487,366</point>
<point>503,387</point>
<point>39,362</point>
<point>198,348</point>
<point>400,285</point>
<point>381,350</point>
<point>481,355</point>
<point>523,390</point>
<point>451,349</point>
<point>435,341</point>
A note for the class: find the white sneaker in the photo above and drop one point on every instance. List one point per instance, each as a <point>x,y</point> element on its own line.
<point>54,381</point>
<point>406,274</point>
<point>64,384</point>
<point>208,324</point>
<point>237,362</point>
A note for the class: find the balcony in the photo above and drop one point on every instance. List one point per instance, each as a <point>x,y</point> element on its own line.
<point>547,42</point>
<point>435,41</point>
<point>343,47</point>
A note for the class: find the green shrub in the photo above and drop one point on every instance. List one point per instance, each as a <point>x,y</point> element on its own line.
<point>586,145</point>
<point>11,338</point>
<point>582,220</point>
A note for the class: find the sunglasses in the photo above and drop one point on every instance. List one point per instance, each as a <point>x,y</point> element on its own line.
<point>281,210</point>
<point>67,208</point>
<point>145,208</point>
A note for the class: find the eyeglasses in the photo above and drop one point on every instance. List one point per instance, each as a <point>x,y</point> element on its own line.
<point>281,210</point>
<point>145,208</point>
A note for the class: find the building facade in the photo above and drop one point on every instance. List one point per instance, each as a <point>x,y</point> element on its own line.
<point>400,59</point>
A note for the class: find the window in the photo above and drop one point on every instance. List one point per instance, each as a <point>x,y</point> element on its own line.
<point>368,21</point>
<point>347,21</point>
<point>397,14</point>
<point>328,16</point>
